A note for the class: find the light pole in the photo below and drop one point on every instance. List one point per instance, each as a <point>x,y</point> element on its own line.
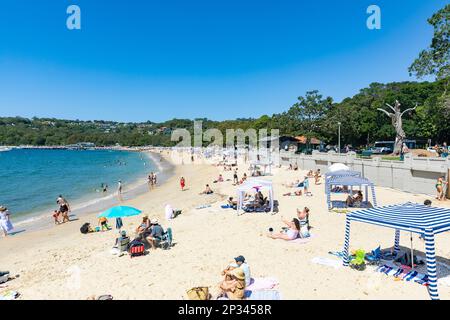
<point>339,137</point>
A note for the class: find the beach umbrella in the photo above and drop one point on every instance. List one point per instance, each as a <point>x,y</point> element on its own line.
<point>120,212</point>
<point>338,167</point>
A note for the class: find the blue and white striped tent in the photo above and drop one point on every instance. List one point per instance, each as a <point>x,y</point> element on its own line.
<point>350,181</point>
<point>411,217</point>
<point>340,173</point>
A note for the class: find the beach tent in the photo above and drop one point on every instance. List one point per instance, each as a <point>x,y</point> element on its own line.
<point>410,217</point>
<point>254,184</point>
<point>350,181</point>
<point>340,173</point>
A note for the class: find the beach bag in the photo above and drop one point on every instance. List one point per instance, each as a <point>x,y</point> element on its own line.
<point>198,293</point>
<point>136,249</point>
<point>84,228</point>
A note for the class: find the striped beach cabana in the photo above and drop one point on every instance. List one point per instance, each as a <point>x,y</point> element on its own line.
<point>411,217</point>
<point>340,173</point>
<point>351,182</point>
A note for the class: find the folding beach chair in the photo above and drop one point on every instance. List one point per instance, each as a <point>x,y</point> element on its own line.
<point>166,240</point>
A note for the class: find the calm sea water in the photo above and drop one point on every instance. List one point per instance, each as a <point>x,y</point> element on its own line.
<point>32,179</point>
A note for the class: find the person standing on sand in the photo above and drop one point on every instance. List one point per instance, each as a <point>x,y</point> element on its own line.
<point>235,177</point>
<point>150,180</point>
<point>154,179</point>
<point>440,187</point>
<point>64,208</point>
<point>5,222</point>
<point>182,183</point>
<point>119,190</point>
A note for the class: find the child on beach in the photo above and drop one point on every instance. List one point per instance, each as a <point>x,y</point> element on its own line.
<point>56,215</point>
<point>103,223</point>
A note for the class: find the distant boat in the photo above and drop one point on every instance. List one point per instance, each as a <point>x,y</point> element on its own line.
<point>4,149</point>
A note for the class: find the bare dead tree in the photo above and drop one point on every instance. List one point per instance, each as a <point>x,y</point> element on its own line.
<point>396,118</point>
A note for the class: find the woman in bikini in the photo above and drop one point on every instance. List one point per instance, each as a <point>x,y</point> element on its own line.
<point>291,233</point>
<point>440,188</point>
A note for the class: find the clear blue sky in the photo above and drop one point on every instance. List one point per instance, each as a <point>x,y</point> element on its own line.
<point>222,59</point>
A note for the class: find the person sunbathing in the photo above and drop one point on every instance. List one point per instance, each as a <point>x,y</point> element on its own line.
<point>355,200</point>
<point>232,202</point>
<point>234,288</point>
<point>207,190</point>
<point>144,226</point>
<point>317,176</point>
<point>297,193</point>
<point>219,179</point>
<point>291,233</point>
<point>292,184</point>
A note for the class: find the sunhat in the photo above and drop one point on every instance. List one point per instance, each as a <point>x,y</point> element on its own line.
<point>2,208</point>
<point>238,273</point>
<point>154,221</point>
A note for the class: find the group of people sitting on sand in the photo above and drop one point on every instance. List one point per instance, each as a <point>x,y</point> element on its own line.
<point>151,231</point>
<point>354,200</point>
<point>314,174</point>
<point>298,227</point>
<point>236,180</point>
<point>302,185</point>
<point>61,215</point>
<point>254,202</point>
<point>236,278</point>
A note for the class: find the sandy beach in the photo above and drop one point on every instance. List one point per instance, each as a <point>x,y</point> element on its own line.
<point>62,263</point>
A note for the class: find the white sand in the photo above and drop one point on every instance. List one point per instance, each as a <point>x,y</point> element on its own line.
<point>62,263</point>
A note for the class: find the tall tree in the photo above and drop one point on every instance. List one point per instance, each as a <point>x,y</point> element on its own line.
<point>435,60</point>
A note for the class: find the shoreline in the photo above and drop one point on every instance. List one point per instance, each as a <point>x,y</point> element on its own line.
<point>85,205</point>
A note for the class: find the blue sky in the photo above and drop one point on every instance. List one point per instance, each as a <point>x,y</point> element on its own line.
<point>156,60</point>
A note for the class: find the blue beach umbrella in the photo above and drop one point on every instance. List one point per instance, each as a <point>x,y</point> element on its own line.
<point>120,212</point>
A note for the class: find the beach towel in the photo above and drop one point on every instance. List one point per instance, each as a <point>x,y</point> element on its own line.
<point>262,295</point>
<point>301,240</point>
<point>444,281</point>
<point>262,284</point>
<point>203,206</point>
<point>327,262</point>
<point>405,274</point>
